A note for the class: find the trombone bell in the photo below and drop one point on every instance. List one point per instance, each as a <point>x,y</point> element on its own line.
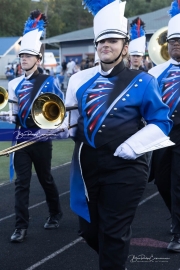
<point>3,97</point>
<point>48,111</point>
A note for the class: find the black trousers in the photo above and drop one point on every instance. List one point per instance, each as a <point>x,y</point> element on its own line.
<point>166,166</point>
<point>40,154</point>
<point>114,187</point>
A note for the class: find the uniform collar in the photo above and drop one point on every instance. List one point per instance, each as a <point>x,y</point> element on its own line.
<point>112,72</point>
<point>174,62</point>
<point>32,75</point>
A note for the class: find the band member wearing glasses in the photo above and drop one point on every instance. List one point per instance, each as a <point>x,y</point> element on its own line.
<point>166,162</point>
<point>24,90</point>
<point>109,170</point>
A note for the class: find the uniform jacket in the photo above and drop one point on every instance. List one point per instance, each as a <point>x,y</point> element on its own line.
<point>168,76</point>
<point>110,107</point>
<point>25,91</point>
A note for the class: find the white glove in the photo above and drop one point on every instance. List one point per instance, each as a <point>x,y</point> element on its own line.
<point>126,152</point>
<point>7,116</point>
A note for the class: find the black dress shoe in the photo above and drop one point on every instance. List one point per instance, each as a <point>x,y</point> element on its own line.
<point>19,235</point>
<point>174,245</point>
<point>52,222</point>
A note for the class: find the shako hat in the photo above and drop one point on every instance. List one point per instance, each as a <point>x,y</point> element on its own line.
<point>109,20</point>
<point>137,43</point>
<point>33,31</point>
<point>174,22</point>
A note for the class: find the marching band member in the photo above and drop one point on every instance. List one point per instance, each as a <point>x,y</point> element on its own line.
<point>137,44</point>
<point>24,90</point>
<point>166,161</point>
<point>109,168</point>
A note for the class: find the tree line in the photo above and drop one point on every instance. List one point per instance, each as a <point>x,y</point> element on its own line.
<point>63,15</point>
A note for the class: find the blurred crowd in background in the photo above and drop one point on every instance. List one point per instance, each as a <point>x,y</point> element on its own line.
<point>65,70</point>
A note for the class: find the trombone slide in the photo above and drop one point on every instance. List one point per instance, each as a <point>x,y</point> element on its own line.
<point>48,112</point>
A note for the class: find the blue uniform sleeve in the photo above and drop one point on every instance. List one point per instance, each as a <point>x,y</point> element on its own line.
<point>153,110</point>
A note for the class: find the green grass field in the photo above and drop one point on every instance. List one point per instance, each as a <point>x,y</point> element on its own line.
<point>62,153</point>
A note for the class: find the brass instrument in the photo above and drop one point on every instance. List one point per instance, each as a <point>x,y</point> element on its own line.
<point>157,47</point>
<point>3,97</point>
<point>21,145</point>
<point>48,112</point>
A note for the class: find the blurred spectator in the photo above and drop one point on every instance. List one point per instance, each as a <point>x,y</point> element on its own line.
<point>64,66</point>
<point>19,70</point>
<point>60,78</point>
<point>70,67</point>
<point>58,68</point>
<point>87,62</point>
<point>83,64</point>
<point>9,74</point>
<point>51,72</point>
<point>91,64</point>
<point>12,71</point>
<point>60,75</point>
<point>76,61</point>
<point>76,68</point>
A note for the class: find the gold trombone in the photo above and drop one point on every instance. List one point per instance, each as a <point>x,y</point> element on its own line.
<point>48,112</point>
<point>3,97</point>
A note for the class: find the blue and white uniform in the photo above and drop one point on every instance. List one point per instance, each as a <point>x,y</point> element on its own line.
<point>110,108</point>
<point>165,162</point>
<point>168,76</point>
<point>24,90</point>
<point>109,170</point>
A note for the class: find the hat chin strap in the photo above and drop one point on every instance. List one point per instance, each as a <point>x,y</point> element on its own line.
<point>115,59</point>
